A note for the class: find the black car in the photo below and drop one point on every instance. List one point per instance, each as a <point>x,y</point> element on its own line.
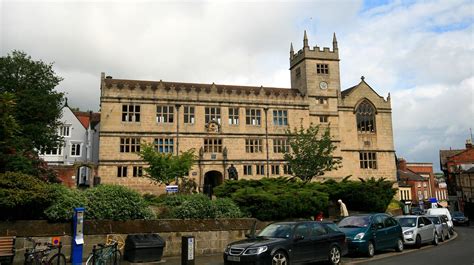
<point>289,243</point>
<point>460,219</point>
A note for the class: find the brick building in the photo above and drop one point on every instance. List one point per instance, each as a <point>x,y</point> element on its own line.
<point>458,168</point>
<point>244,125</point>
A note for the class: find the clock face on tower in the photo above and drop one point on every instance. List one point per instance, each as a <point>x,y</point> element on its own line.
<point>323,85</point>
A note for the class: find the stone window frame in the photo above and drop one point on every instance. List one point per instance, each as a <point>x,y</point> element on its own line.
<point>212,114</point>
<point>253,116</point>
<point>298,72</point>
<point>129,144</point>
<point>189,113</point>
<point>253,145</point>
<point>281,145</point>
<point>247,170</point>
<point>368,160</point>
<point>287,169</point>
<point>164,145</point>
<point>76,149</point>
<point>137,171</point>
<point>366,117</point>
<point>233,115</point>
<point>280,117</point>
<point>322,100</point>
<point>260,169</point>
<point>322,69</point>
<point>131,112</point>
<point>275,169</point>
<point>323,119</point>
<point>164,113</point>
<point>212,145</point>
<point>122,171</point>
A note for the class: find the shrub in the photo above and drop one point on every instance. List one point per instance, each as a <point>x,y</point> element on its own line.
<point>22,196</point>
<point>195,209</point>
<point>115,202</point>
<point>63,203</point>
<point>226,208</point>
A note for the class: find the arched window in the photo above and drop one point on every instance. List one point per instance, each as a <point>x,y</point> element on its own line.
<point>365,117</point>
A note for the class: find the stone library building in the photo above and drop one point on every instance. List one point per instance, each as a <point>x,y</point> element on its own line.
<point>244,126</point>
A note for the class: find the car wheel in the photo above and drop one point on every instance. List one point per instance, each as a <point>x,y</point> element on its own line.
<point>418,241</point>
<point>370,249</point>
<point>279,258</point>
<point>435,239</point>
<point>399,247</point>
<point>334,255</point>
<point>442,237</point>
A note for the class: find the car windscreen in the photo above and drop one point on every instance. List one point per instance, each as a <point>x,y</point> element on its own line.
<point>277,230</point>
<point>458,214</point>
<point>332,228</point>
<point>435,220</point>
<point>407,222</point>
<point>354,222</point>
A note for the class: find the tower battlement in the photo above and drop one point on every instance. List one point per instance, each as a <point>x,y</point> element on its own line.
<point>316,52</point>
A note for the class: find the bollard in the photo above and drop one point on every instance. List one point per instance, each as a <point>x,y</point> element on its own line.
<point>187,250</point>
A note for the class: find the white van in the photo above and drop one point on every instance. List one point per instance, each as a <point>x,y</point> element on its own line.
<point>442,211</point>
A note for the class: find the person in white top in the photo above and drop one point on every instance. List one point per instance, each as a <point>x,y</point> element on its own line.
<point>343,208</point>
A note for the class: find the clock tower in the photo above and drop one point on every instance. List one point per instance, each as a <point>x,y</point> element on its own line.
<point>315,71</point>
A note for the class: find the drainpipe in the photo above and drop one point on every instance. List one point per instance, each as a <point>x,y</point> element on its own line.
<point>266,139</point>
<point>177,128</point>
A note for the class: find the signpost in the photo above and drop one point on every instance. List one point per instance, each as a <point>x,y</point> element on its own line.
<point>171,188</point>
<point>78,236</point>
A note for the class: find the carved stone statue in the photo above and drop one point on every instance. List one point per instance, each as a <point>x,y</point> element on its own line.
<point>233,174</point>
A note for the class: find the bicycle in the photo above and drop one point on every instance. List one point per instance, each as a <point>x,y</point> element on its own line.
<point>106,254</point>
<point>40,256</point>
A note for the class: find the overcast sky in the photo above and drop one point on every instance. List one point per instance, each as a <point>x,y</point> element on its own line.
<point>421,52</point>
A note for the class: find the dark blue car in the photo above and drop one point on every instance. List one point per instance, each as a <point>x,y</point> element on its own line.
<point>371,232</point>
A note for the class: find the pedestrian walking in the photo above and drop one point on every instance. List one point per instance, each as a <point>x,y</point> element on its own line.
<point>343,208</point>
<point>319,216</point>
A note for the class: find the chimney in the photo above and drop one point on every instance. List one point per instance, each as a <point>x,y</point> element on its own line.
<point>468,144</point>
<point>402,164</point>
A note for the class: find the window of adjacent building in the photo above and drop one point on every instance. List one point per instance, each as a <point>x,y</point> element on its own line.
<point>253,117</point>
<point>131,113</point>
<point>53,152</point>
<point>75,149</point>
<point>418,184</point>
<point>65,131</point>
<point>425,193</point>
<point>129,145</point>
<point>164,145</point>
<point>260,170</point>
<point>248,170</point>
<point>137,171</point>
<point>323,101</point>
<point>280,145</point>
<point>189,114</point>
<point>365,118</point>
<point>286,169</point>
<point>298,72</point>
<point>253,145</point>
<point>275,169</point>
<point>234,116</point>
<point>280,117</point>
<point>322,68</point>
<point>323,119</point>
<point>212,145</point>
<point>121,172</point>
<point>213,114</point>
<point>368,160</point>
<point>164,114</point>
<point>419,194</point>
<point>424,184</point>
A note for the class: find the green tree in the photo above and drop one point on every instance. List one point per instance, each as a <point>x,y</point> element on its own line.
<point>28,97</point>
<point>165,167</point>
<point>311,152</point>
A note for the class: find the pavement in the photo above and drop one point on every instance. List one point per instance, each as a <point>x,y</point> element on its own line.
<point>215,259</point>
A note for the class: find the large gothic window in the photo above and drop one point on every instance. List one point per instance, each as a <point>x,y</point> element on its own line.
<point>365,118</point>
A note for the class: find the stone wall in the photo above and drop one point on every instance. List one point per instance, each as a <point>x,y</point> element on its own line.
<point>211,236</point>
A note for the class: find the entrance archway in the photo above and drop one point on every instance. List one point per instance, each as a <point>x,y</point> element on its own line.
<point>211,180</point>
<point>83,176</point>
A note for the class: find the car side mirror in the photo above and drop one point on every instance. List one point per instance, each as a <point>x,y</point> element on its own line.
<point>421,225</point>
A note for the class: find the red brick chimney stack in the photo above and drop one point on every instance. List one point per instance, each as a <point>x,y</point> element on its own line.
<point>402,164</point>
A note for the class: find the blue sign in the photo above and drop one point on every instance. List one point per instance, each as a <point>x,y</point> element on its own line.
<point>433,200</point>
<point>172,188</point>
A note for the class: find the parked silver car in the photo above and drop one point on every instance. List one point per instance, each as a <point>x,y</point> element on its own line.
<point>417,230</point>
<point>441,226</point>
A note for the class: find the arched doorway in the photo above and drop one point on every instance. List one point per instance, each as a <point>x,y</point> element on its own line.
<point>83,176</point>
<point>211,179</point>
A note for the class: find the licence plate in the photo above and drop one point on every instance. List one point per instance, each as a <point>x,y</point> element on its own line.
<point>233,258</point>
